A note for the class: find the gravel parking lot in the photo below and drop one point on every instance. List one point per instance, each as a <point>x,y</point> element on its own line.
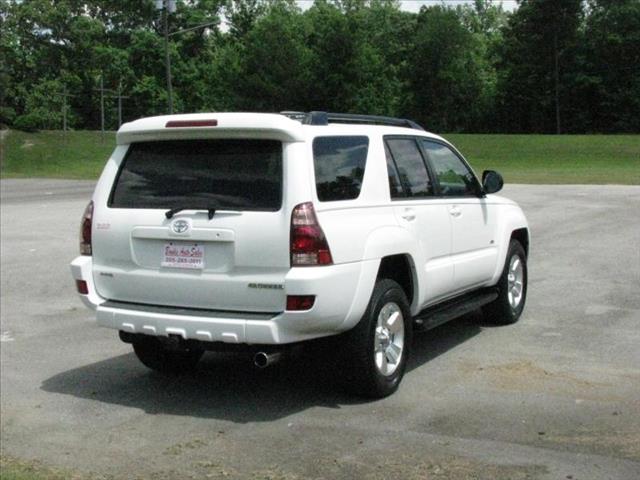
<point>556,396</point>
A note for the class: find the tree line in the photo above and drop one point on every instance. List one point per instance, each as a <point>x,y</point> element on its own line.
<point>550,66</point>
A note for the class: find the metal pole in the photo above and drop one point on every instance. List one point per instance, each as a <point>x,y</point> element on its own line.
<point>556,78</point>
<point>64,108</point>
<point>102,103</point>
<point>167,60</point>
<point>119,103</point>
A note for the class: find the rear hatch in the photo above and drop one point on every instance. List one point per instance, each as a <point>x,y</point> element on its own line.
<point>196,223</point>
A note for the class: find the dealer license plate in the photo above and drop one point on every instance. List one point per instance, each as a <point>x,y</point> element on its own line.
<point>183,255</point>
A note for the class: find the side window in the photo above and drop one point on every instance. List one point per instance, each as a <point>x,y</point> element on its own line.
<point>395,187</point>
<point>454,177</point>
<point>339,164</point>
<point>413,175</point>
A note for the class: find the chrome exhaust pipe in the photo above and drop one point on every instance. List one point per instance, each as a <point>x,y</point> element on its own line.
<point>263,359</point>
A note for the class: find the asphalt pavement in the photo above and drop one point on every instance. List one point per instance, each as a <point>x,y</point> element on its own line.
<point>556,396</point>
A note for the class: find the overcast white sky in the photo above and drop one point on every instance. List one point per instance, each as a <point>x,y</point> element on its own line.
<point>414,5</point>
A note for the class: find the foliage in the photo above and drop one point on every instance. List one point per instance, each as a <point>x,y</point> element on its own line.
<point>549,66</point>
<point>445,76</point>
<point>610,80</point>
<point>538,64</point>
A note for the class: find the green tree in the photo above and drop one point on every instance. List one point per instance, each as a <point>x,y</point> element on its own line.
<point>445,75</point>
<point>273,74</point>
<point>332,45</point>
<point>550,66</point>
<point>242,15</point>
<point>380,77</point>
<point>486,21</point>
<point>610,78</point>
<point>539,65</point>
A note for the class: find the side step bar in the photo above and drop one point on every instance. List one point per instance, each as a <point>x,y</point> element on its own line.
<point>437,315</point>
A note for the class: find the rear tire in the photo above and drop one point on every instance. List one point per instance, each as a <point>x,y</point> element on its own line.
<point>512,288</point>
<point>375,351</point>
<point>156,356</point>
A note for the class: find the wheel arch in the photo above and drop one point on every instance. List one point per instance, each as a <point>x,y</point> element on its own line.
<point>386,248</point>
<point>395,247</point>
<point>513,226</point>
<point>522,236</point>
<point>401,269</point>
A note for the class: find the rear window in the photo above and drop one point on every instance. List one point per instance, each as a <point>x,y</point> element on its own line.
<point>201,174</point>
<point>339,164</point>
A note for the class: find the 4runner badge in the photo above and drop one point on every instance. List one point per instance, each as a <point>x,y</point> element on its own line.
<point>267,286</point>
<point>180,226</point>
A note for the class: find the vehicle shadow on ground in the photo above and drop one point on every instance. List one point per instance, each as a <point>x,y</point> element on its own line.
<point>228,387</point>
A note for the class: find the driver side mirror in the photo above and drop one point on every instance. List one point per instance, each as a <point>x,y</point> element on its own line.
<point>492,181</point>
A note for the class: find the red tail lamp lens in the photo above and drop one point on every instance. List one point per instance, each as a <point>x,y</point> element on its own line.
<point>191,123</point>
<point>82,287</point>
<point>308,244</point>
<point>85,230</point>
<point>300,302</point>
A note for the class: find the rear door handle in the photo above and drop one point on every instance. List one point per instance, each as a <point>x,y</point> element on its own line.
<point>455,211</point>
<point>409,214</point>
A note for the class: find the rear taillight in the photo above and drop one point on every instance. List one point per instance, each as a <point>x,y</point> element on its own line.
<point>85,230</point>
<point>82,287</point>
<point>308,244</point>
<point>298,303</point>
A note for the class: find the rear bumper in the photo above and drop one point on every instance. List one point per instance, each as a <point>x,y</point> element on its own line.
<point>206,326</point>
<point>342,293</point>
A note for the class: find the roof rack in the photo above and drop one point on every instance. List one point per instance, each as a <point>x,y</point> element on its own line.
<point>324,118</point>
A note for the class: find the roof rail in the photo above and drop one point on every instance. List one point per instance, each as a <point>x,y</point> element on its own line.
<point>324,118</point>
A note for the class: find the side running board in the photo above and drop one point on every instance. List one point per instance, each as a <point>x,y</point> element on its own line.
<point>438,314</point>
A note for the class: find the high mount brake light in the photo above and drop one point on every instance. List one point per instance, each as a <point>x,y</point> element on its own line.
<point>85,230</point>
<point>308,244</point>
<point>191,123</point>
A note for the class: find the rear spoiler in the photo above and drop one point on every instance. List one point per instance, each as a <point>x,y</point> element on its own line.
<point>211,125</point>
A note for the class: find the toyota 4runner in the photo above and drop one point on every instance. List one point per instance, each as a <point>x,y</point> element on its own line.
<point>264,231</point>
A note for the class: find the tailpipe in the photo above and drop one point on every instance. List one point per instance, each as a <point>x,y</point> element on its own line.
<point>263,359</point>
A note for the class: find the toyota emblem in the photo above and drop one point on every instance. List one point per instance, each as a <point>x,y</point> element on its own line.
<point>180,226</point>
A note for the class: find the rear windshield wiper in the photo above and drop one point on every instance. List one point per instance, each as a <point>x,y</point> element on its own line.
<point>211,211</point>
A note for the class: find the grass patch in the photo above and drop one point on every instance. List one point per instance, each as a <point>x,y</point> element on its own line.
<point>13,469</point>
<point>551,159</point>
<point>547,159</point>
<point>56,154</point>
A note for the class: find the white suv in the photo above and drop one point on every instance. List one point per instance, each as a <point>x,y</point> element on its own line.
<point>267,230</point>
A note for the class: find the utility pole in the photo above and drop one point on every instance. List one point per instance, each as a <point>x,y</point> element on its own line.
<point>64,96</point>
<point>167,60</point>
<point>102,90</point>
<point>102,103</point>
<point>64,109</point>
<point>119,103</point>
<point>119,96</point>
<point>167,6</point>
<point>556,78</point>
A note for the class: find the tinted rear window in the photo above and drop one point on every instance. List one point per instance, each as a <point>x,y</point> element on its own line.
<point>339,164</point>
<point>201,174</point>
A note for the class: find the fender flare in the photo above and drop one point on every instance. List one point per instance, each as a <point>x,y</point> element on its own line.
<point>513,219</point>
<point>382,242</point>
